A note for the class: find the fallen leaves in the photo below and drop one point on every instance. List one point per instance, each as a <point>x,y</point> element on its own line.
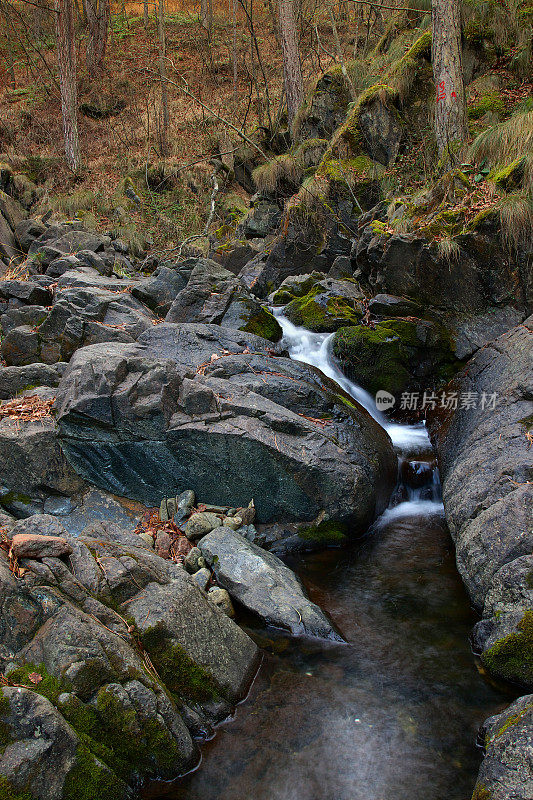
<point>151,524</point>
<point>27,409</point>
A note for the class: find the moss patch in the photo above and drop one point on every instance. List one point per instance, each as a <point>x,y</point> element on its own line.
<point>374,356</point>
<point>49,687</point>
<point>7,792</point>
<point>262,323</point>
<point>326,533</point>
<point>322,314</point>
<point>512,657</point>
<point>89,779</point>
<point>179,672</point>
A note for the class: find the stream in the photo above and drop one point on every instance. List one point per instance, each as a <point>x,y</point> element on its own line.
<point>394,714</point>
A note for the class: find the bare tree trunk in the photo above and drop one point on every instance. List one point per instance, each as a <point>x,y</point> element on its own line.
<point>8,38</point>
<point>66,59</point>
<point>206,16</point>
<point>98,13</point>
<point>165,116</point>
<point>450,112</point>
<point>145,13</point>
<point>292,71</point>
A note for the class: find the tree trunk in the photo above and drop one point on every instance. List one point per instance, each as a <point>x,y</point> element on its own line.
<point>292,71</point>
<point>450,111</point>
<point>98,13</point>
<point>145,13</point>
<point>66,59</point>
<point>165,117</point>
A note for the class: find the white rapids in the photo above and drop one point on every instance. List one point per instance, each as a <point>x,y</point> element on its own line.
<point>409,441</point>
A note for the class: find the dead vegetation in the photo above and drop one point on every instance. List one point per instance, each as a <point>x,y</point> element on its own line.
<point>27,409</point>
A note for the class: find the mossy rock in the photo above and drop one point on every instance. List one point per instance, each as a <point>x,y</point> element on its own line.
<point>320,312</point>
<point>182,676</point>
<point>490,103</point>
<point>328,533</point>
<point>511,658</point>
<point>261,322</point>
<point>510,176</point>
<point>373,357</point>
<point>7,792</point>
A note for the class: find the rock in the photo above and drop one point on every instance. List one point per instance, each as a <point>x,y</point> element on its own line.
<point>160,289</point>
<point>192,560</point>
<point>26,292</point>
<point>221,599</point>
<point>27,231</point>
<point>33,462</point>
<point>246,314</point>
<point>87,278</point>
<point>21,346</point>
<point>33,545</point>
<point>186,399</point>
<point>263,584</point>
<point>62,264</point>
<point>503,637</point>
<point>44,756</point>
<point>407,265</point>
<point>388,305</point>
<point>163,543</point>
<point>485,461</point>
<point>263,219</point>
<point>396,355</point>
<point>508,741</point>
<point>330,305</point>
<point>147,539</point>
<point>232,522</point>
<point>11,210</point>
<point>201,523</point>
<point>24,315</point>
<point>327,108</point>
<point>184,505</point>
<point>381,131</point>
<point>470,333</point>
<point>8,244</point>
<point>202,577</point>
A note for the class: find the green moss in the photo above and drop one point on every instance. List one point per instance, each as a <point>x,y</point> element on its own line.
<point>514,719</point>
<point>114,734</point>
<point>512,657</point>
<point>320,314</point>
<point>49,687</point>
<point>492,102</point>
<point>90,780</point>
<point>179,672</point>
<point>262,323</point>
<point>7,792</point>
<point>481,793</point>
<point>372,356</point>
<point>326,533</point>
<point>509,177</point>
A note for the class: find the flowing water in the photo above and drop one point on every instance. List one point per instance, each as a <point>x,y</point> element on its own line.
<point>393,715</point>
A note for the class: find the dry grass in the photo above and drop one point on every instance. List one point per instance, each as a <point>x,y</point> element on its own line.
<point>516,219</point>
<point>448,249</point>
<point>503,143</point>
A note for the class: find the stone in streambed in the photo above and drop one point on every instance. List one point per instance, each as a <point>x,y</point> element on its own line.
<point>506,773</point>
<point>221,599</point>
<point>263,584</point>
<point>200,524</point>
<point>32,545</point>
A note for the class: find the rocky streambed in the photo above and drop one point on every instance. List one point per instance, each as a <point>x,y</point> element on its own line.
<point>124,644</point>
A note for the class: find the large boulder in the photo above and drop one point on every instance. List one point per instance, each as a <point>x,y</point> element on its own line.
<point>211,409</point>
<point>486,460</point>
<point>262,583</point>
<point>506,772</point>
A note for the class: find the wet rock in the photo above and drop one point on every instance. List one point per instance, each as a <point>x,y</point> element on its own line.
<point>508,740</point>
<point>33,545</point>
<point>263,584</point>
<point>221,599</point>
<point>388,305</point>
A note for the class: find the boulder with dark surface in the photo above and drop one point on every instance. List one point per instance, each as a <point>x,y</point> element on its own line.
<point>410,266</point>
<point>8,244</point>
<point>209,408</point>
<point>263,584</point>
<point>506,772</point>
<point>485,459</point>
<point>27,231</point>
<point>25,292</point>
<point>14,380</point>
<point>160,289</point>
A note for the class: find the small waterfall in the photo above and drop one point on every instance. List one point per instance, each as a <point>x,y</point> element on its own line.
<point>419,490</point>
